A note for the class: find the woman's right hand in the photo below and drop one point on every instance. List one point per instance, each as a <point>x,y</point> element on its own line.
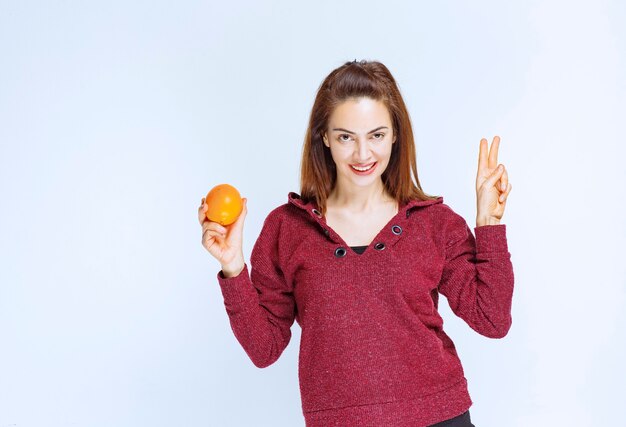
<point>224,243</point>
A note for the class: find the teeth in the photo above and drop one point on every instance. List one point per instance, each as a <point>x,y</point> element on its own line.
<point>362,169</point>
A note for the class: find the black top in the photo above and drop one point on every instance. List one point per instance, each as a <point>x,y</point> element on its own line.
<point>359,249</point>
<point>463,420</point>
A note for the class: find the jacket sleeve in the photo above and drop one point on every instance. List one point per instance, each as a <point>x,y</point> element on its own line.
<point>260,304</point>
<point>477,277</point>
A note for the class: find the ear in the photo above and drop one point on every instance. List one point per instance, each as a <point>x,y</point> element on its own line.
<point>325,140</point>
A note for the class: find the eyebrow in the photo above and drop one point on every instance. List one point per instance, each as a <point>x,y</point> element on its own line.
<point>349,131</point>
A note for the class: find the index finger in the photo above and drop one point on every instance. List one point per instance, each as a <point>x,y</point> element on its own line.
<point>482,154</point>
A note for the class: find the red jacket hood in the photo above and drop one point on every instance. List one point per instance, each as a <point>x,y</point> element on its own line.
<point>314,213</point>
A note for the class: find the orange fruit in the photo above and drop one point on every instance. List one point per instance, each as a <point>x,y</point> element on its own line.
<point>224,204</point>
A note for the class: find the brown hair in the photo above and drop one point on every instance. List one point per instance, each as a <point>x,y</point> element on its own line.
<point>354,79</point>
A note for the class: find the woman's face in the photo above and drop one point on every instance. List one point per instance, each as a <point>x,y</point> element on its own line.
<point>360,135</point>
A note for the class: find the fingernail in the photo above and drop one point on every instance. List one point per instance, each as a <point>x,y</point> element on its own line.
<point>503,187</point>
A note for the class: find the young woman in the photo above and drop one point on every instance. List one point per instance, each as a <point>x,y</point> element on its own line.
<point>359,259</point>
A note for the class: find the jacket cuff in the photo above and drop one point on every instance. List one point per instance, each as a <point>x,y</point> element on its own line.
<point>237,290</point>
<point>491,238</point>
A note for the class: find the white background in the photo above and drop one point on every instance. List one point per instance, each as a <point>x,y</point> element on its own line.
<point>117,117</point>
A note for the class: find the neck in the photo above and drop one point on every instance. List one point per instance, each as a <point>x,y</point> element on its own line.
<point>360,199</point>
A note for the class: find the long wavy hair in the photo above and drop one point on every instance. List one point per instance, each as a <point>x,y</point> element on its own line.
<point>354,79</point>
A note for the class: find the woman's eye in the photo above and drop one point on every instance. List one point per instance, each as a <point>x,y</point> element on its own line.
<point>344,137</point>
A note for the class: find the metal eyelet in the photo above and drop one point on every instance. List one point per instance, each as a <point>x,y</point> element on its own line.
<point>316,212</point>
<point>379,246</point>
<point>396,229</point>
<point>340,252</point>
<point>326,232</point>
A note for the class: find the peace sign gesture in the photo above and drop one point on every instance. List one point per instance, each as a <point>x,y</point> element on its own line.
<point>492,185</point>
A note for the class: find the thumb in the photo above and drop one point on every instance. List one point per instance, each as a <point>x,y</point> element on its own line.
<point>495,176</point>
<point>244,209</point>
<point>237,226</point>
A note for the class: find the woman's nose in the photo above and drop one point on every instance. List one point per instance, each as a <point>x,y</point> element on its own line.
<point>363,150</point>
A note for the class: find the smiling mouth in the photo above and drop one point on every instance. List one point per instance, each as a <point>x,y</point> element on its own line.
<point>363,169</point>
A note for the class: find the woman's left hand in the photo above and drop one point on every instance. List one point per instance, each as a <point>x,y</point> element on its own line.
<point>492,185</point>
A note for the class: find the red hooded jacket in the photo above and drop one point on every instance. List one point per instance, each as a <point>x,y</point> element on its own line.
<point>372,350</point>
